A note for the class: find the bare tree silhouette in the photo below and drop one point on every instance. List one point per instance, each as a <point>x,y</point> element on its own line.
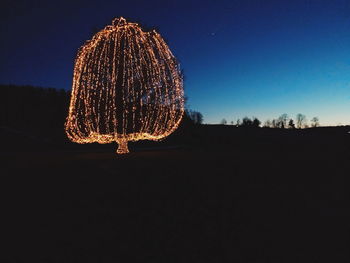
<point>291,124</point>
<point>267,124</point>
<point>195,116</point>
<point>283,120</point>
<point>223,121</point>
<point>315,122</point>
<point>300,120</point>
<point>256,122</point>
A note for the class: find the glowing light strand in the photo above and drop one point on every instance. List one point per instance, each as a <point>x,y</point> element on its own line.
<point>127,86</point>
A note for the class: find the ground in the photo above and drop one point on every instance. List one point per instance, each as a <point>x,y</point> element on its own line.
<point>256,197</point>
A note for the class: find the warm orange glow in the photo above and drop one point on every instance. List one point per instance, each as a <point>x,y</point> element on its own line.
<point>127,86</point>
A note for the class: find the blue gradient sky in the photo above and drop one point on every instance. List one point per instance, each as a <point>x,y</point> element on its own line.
<point>240,58</point>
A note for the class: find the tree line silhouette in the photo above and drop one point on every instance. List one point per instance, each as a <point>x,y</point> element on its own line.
<point>43,111</point>
<point>282,122</point>
<point>33,109</point>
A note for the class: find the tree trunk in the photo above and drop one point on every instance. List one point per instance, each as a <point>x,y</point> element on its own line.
<point>122,147</point>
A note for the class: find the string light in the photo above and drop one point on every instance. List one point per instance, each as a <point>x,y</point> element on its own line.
<point>127,86</point>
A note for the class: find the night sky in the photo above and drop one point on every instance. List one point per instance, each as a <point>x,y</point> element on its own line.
<point>240,58</point>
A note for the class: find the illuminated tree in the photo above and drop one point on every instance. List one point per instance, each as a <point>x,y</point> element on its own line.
<point>127,86</point>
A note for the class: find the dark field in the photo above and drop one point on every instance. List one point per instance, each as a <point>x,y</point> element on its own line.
<point>222,195</point>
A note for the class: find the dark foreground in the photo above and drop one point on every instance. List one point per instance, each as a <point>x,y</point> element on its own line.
<point>244,199</point>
